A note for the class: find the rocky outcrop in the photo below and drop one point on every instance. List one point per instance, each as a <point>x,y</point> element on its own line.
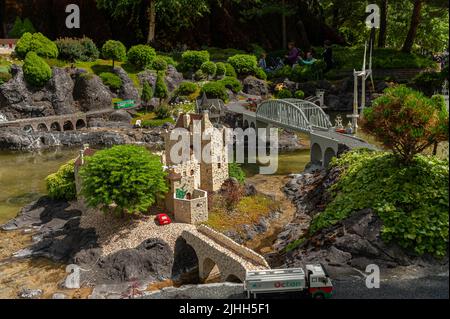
<point>173,78</point>
<point>254,86</point>
<point>127,91</point>
<point>90,92</point>
<point>120,116</point>
<point>59,89</point>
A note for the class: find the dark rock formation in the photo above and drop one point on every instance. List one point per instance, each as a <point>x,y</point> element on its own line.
<point>254,86</point>
<point>91,93</point>
<point>127,91</point>
<point>60,88</point>
<point>173,78</point>
<point>120,116</point>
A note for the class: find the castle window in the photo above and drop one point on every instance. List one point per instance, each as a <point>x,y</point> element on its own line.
<point>192,172</point>
<point>219,165</point>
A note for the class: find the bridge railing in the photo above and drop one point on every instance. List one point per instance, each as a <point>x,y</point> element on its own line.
<point>233,246</point>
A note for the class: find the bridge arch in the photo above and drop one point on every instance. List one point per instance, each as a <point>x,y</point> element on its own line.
<point>328,155</point>
<point>68,126</point>
<point>207,268</point>
<point>28,128</point>
<point>42,127</point>
<point>55,127</point>
<point>80,124</point>
<point>233,278</point>
<point>316,154</point>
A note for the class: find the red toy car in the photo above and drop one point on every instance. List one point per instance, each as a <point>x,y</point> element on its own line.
<point>163,219</point>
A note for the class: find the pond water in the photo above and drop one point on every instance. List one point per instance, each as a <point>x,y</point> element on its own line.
<point>22,177</point>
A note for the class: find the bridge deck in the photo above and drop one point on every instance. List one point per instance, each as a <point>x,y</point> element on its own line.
<point>350,141</point>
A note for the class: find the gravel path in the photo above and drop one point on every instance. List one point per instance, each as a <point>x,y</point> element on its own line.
<point>117,234</point>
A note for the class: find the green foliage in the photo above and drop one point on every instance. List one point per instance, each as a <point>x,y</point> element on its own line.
<point>215,90</point>
<point>232,83</point>
<point>71,49</point>
<point>244,64</point>
<point>230,71</point>
<point>159,64</point>
<point>199,75</point>
<point>163,112</point>
<point>406,121</point>
<point>37,43</point>
<point>299,95</point>
<point>260,74</point>
<point>209,68</point>
<point>283,94</point>
<point>284,72</point>
<point>147,93</point>
<point>157,122</point>
<point>61,185</point>
<point>4,77</point>
<point>221,69</point>
<point>186,88</point>
<point>128,176</point>
<point>36,71</point>
<point>141,56</point>
<point>114,50</point>
<point>161,91</point>
<point>169,60</point>
<point>193,60</point>
<point>111,80</point>
<point>235,171</point>
<point>21,27</point>
<point>429,82</point>
<point>412,201</point>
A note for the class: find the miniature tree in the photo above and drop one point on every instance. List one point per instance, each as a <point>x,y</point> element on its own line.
<point>20,27</point>
<point>161,91</point>
<point>115,51</point>
<point>147,94</point>
<point>126,177</point>
<point>36,71</point>
<point>406,121</point>
<point>141,55</point>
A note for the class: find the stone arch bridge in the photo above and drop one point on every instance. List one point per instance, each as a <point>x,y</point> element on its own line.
<point>215,249</point>
<point>58,123</point>
<point>301,116</point>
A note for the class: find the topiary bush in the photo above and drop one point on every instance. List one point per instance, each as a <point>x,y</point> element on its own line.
<point>412,201</point>
<point>141,56</point>
<point>209,68</point>
<point>244,64</point>
<point>71,49</point>
<point>199,75</point>
<point>186,88</point>
<point>161,91</point>
<point>147,93</point>
<point>115,51</point>
<point>36,71</point>
<point>299,95</point>
<point>284,94</point>
<point>193,60</point>
<point>230,71</point>
<point>221,69</point>
<point>215,90</point>
<point>261,74</point>
<point>61,185</point>
<point>111,80</point>
<point>232,83</point>
<point>128,176</point>
<point>159,64</point>
<point>235,171</point>
<point>37,43</point>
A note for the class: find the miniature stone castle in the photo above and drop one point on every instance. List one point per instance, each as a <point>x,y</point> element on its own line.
<point>192,180</point>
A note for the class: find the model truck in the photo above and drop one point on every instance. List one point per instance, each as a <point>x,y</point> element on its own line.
<point>315,282</point>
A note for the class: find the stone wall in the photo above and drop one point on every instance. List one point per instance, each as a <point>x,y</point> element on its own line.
<point>194,211</point>
<point>208,291</point>
<point>233,246</point>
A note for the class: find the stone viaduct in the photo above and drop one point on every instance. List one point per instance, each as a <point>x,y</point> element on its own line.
<point>58,123</point>
<point>215,249</point>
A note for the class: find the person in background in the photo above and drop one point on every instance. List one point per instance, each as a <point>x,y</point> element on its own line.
<point>309,58</point>
<point>328,55</point>
<point>263,63</point>
<point>293,55</point>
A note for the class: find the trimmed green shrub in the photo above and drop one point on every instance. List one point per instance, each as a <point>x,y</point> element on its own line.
<point>61,185</point>
<point>244,64</point>
<point>232,83</point>
<point>115,51</point>
<point>209,68</point>
<point>4,77</point>
<point>147,93</point>
<point>412,201</point>
<point>159,64</point>
<point>169,60</point>
<point>128,176</point>
<point>193,60</point>
<point>284,94</point>
<point>215,90</point>
<point>163,112</point>
<point>21,27</point>
<point>235,171</point>
<point>36,71</point>
<point>261,74</point>
<point>200,76</point>
<point>221,69</point>
<point>37,43</point>
<point>161,91</point>
<point>299,95</point>
<point>186,88</point>
<point>141,56</point>
<point>111,80</point>
<point>71,49</point>
<point>230,71</point>
<point>157,122</point>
